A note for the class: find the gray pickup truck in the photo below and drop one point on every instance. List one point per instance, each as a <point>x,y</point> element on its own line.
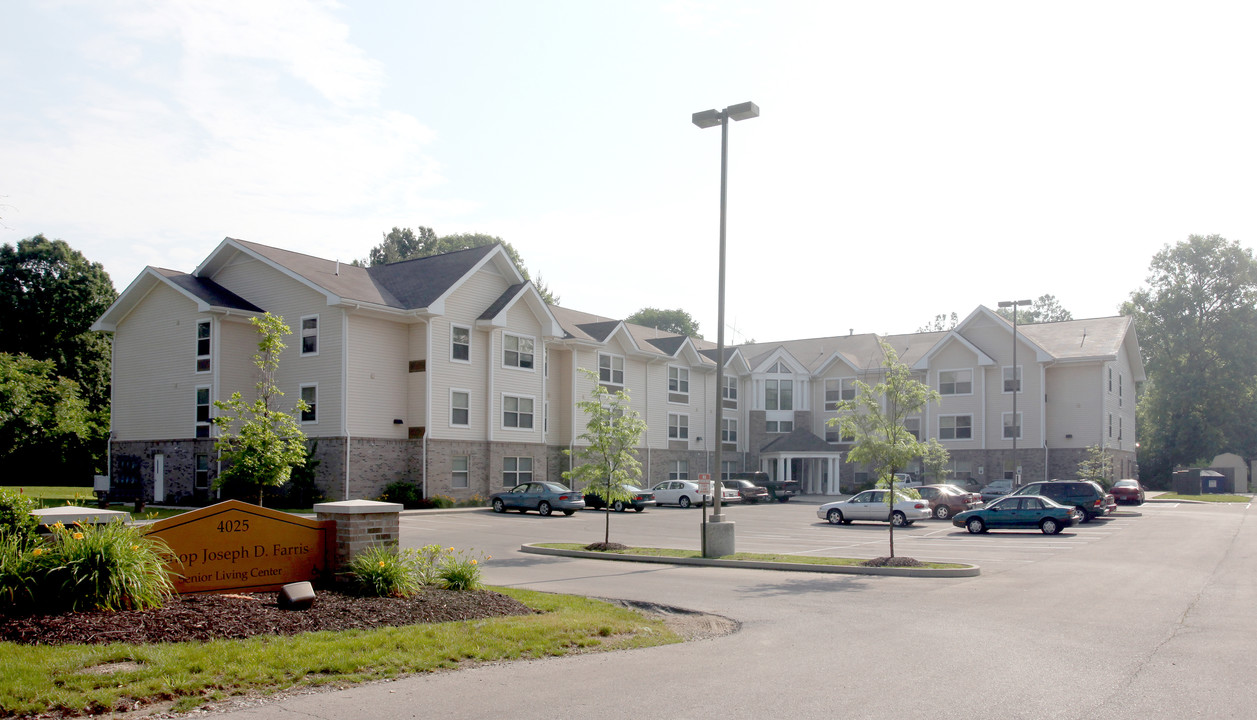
<point>779,490</point>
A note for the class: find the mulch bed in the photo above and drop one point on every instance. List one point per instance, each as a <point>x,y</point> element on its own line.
<point>218,616</point>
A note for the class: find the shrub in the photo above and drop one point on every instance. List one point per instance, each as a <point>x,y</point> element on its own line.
<point>460,571</point>
<point>404,492</point>
<point>112,566</point>
<point>442,501</point>
<point>15,517</point>
<point>18,576</point>
<point>476,500</point>
<point>428,562</point>
<point>385,571</point>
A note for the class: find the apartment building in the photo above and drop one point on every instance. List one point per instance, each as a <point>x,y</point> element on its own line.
<point>452,373</point>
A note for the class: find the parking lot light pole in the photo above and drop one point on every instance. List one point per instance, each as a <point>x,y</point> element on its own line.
<point>1014,304</point>
<point>719,540</point>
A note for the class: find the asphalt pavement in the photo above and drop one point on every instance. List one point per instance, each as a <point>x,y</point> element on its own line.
<point>1148,614</point>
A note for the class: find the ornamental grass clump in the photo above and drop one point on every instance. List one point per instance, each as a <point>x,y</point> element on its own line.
<point>385,571</point>
<point>111,566</point>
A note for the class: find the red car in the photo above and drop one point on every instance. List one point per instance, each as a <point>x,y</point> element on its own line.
<point>1127,491</point>
<point>947,500</point>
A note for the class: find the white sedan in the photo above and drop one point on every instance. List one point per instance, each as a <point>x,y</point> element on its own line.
<point>871,505</point>
<point>686,493</point>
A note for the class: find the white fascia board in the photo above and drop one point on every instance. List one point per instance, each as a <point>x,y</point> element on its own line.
<point>953,335</point>
<point>500,260</point>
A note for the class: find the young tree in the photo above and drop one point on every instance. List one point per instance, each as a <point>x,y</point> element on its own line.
<point>1097,466</point>
<point>607,462</point>
<point>675,321</point>
<point>875,418</point>
<point>262,443</point>
<point>1197,323</point>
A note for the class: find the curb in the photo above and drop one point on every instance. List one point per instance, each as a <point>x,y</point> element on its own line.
<point>971,571</point>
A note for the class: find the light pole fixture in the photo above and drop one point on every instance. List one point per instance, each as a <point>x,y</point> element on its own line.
<point>1014,304</point>
<point>706,119</point>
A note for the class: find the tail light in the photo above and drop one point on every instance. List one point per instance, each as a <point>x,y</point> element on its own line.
<point>1098,503</point>
<point>565,497</point>
<point>919,506</point>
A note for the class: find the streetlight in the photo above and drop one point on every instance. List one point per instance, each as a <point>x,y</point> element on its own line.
<point>718,534</point>
<point>1014,304</point>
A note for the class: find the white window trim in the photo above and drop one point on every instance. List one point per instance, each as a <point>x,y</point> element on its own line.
<point>680,369</point>
<point>779,380</point>
<point>731,383</point>
<point>939,386</point>
<point>300,390</point>
<point>733,429</point>
<point>674,470</point>
<point>533,414</point>
<point>679,427</point>
<point>209,393</point>
<point>197,339</point>
<point>1021,376</point>
<point>529,338</point>
<point>956,439</point>
<point>452,408</point>
<point>840,380</point>
<point>611,370</point>
<point>1004,424</point>
<point>465,473</point>
<point>301,330</point>
<point>454,327</point>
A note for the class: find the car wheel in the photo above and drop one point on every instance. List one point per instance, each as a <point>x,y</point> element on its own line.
<point>1086,516</point>
<point>619,506</point>
<point>544,508</point>
<point>498,505</point>
<point>569,513</point>
<point>1049,526</point>
<point>684,501</point>
<point>898,519</point>
<point>975,526</point>
<point>834,517</point>
<point>942,512</point>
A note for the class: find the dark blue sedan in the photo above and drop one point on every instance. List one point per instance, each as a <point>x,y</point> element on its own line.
<point>1018,512</point>
<point>544,497</point>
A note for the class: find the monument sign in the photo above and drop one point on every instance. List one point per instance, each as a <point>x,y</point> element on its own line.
<point>237,546</point>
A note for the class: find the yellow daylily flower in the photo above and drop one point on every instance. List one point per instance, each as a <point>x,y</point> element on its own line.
<point>78,536</point>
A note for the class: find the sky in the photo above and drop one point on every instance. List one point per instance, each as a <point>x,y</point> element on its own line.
<point>911,158</point>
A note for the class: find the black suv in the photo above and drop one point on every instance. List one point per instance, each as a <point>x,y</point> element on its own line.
<point>1085,495</point>
<point>779,490</point>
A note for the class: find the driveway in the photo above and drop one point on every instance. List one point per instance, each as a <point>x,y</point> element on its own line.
<point>1146,615</point>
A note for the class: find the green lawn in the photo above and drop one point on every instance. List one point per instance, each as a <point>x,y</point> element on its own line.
<point>756,557</point>
<point>79,679</point>
<point>1207,498</point>
<point>56,495</point>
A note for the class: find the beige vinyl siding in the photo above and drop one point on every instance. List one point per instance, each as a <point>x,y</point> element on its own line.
<point>237,344</point>
<point>559,393</point>
<point>955,356</point>
<point>519,382</point>
<point>377,377</point>
<point>280,294</point>
<point>447,374</point>
<point>1119,405</point>
<point>1029,400</point>
<point>1075,405</point>
<point>475,294</point>
<point>154,369</point>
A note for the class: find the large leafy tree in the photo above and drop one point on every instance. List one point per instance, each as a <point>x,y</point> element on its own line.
<point>941,322</point>
<point>606,460</point>
<point>1042,310</point>
<point>875,419</point>
<point>262,443</point>
<point>407,244</point>
<point>675,321</point>
<point>42,417</point>
<point>1197,323</point>
<point>49,296</point>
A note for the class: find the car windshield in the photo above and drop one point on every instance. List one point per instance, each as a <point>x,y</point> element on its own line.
<point>1126,484</point>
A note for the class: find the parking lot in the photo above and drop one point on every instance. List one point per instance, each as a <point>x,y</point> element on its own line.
<point>789,528</point>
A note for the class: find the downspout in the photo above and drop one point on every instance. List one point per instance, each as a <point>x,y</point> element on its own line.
<point>344,390</point>
<point>427,408</point>
<point>1043,419</point>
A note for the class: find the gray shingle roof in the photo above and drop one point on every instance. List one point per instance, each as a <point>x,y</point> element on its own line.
<point>207,290</point>
<point>503,300</point>
<point>801,440</point>
<point>1077,339</point>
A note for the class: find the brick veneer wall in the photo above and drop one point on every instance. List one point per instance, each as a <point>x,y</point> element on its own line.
<point>360,524</point>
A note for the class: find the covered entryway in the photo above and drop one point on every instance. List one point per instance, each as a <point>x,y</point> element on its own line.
<point>805,459</point>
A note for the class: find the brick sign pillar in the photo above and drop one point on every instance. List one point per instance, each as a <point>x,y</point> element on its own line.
<point>360,524</point>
